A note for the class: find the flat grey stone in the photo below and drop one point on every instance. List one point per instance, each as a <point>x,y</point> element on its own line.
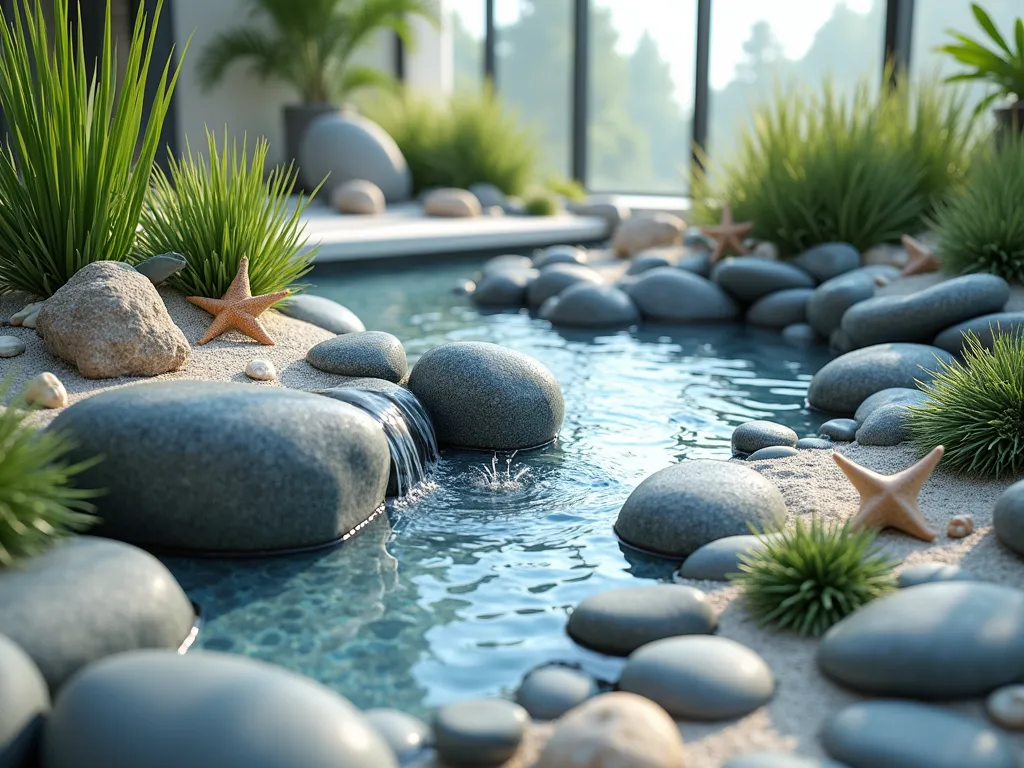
<point>479,732</point>
<point>643,262</point>
<point>161,267</point>
<point>208,466</point>
<point>844,383</point>
<point>618,621</point>
<point>841,430</point>
<point>559,254</point>
<point>1008,518</point>
<point>697,262</point>
<point>586,305</point>
<point>814,444</point>
<point>886,397</point>
<point>800,335</point>
<point>945,640</point>
<point>773,452</point>
<point>828,260</point>
<point>717,559</point>
<point>903,734</point>
<point>919,317</point>
<point>24,705</point>
<point>547,693</point>
<point>750,278</point>
<point>754,435</point>
<point>504,288</point>
<point>678,296</point>
<point>506,262</point>
<point>404,734</point>
<point>481,395</point>
<point>226,710</point>
<point>780,309</point>
<point>555,278</point>
<point>984,327</point>
<point>87,598</point>
<point>779,760</point>
<point>831,299</point>
<point>888,425</point>
<point>699,677</point>
<point>681,508</point>
<point>489,195</point>
<point>323,313</point>
<point>927,573</point>
<point>369,354</point>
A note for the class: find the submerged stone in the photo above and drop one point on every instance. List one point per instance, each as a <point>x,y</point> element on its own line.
<point>479,732</point>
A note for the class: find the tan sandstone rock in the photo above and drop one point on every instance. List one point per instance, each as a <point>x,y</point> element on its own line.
<point>110,321</point>
<point>46,391</point>
<point>358,197</point>
<point>451,203</point>
<point>638,233</point>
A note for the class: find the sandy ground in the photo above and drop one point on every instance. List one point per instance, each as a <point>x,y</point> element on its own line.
<point>223,359</point>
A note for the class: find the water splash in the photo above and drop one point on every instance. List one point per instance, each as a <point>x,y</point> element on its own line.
<point>491,478</point>
<point>406,426</point>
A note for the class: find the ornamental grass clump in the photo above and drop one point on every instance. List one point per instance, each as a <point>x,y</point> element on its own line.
<point>807,578</point>
<point>216,209</point>
<point>77,164</point>
<point>975,409</point>
<point>38,504</point>
<point>982,228</point>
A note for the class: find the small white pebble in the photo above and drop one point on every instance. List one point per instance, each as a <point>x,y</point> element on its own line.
<point>47,391</point>
<point>960,526</point>
<point>1006,707</point>
<point>27,315</point>
<point>261,370</point>
<point>881,281</point>
<point>11,346</point>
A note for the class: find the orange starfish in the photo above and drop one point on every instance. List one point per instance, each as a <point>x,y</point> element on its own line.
<point>727,234</point>
<point>922,260</point>
<point>238,309</point>
<point>890,501</point>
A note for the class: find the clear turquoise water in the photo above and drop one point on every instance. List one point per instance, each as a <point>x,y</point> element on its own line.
<point>464,590</point>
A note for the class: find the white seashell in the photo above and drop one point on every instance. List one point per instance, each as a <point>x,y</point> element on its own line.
<point>11,346</point>
<point>960,526</point>
<point>261,370</point>
<point>47,391</point>
<point>27,315</point>
<point>1005,707</point>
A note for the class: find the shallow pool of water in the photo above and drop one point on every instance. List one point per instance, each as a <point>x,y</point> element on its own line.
<point>463,590</point>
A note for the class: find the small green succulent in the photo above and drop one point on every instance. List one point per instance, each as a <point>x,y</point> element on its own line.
<point>975,409</point>
<point>807,578</point>
<point>38,504</point>
<point>541,204</point>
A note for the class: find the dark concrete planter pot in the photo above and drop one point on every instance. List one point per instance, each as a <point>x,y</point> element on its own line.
<point>297,118</point>
<point>1009,120</point>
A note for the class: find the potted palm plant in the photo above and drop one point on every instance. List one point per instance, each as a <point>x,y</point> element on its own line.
<point>309,45</point>
<point>997,64</point>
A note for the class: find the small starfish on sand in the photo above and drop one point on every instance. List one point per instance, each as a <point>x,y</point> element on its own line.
<point>890,501</point>
<point>727,234</point>
<point>922,260</point>
<point>238,308</point>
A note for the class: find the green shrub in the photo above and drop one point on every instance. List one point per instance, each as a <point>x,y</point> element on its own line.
<point>981,229</point>
<point>37,503</point>
<point>808,578</point>
<point>976,409</point>
<point>541,204</point>
<point>470,139</point>
<point>75,172</point>
<point>812,168</point>
<point>216,211</point>
<point>570,189</point>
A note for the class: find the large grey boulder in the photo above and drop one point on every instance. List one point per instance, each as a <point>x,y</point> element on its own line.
<point>919,317</point>
<point>844,383</point>
<point>322,312</point>
<point>984,327</point>
<point>108,320</point>
<point>830,300</point>
<point>369,354</point>
<point>555,278</point>
<point>24,705</point>
<point>88,598</point>
<point>587,305</point>
<point>484,396</point>
<point>828,260</point>
<point>781,308</point>
<point>679,296</point>
<point>205,710</point>
<point>203,466</point>
<point>750,278</point>
<point>681,508</point>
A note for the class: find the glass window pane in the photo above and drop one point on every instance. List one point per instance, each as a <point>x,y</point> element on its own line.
<point>533,70</point>
<point>756,43</point>
<point>932,19</point>
<point>466,22</point>
<point>641,95</point>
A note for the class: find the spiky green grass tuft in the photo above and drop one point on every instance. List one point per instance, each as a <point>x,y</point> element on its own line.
<point>808,578</point>
<point>982,228</point>
<point>975,409</point>
<point>76,166</point>
<point>38,504</point>
<point>217,210</point>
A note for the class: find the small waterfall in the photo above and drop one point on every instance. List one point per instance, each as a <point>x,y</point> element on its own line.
<point>406,426</point>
